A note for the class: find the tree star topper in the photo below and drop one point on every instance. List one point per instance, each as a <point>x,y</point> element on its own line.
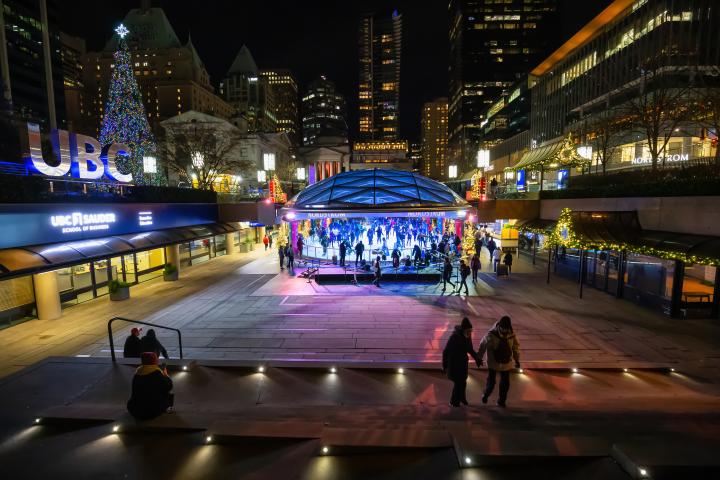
<point>121,30</point>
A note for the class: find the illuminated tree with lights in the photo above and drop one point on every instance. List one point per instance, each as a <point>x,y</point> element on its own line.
<point>125,120</point>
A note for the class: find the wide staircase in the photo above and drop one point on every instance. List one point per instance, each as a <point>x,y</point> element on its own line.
<point>388,420</point>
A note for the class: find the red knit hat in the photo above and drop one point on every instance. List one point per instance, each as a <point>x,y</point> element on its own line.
<point>149,358</point>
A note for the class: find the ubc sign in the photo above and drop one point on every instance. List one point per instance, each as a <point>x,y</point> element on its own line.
<point>79,155</point>
<point>83,222</point>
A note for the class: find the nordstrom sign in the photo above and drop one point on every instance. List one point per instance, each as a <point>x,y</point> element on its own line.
<point>79,155</point>
<point>684,157</point>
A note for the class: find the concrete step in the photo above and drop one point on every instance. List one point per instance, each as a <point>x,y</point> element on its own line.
<point>645,458</point>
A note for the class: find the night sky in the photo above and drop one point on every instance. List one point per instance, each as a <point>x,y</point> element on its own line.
<point>309,37</point>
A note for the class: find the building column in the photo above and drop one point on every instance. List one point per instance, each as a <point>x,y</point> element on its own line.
<point>47,296</point>
<point>294,236</point>
<point>172,256</point>
<point>50,90</point>
<point>677,288</point>
<point>230,247</point>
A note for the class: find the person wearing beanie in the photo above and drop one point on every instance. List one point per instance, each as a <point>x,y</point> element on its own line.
<point>151,390</point>
<point>455,360</point>
<point>133,344</point>
<point>502,347</point>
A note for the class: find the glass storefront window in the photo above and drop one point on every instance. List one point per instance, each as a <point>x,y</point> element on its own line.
<point>17,301</point>
<point>75,284</point>
<point>649,280</point>
<point>150,264</point>
<point>220,245</point>
<point>200,250</point>
<point>699,286</point>
<point>101,277</point>
<point>185,254</point>
<point>130,268</point>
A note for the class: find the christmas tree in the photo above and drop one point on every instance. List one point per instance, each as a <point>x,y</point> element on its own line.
<point>125,120</point>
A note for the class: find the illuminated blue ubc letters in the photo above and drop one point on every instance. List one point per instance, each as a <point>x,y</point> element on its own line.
<point>81,156</point>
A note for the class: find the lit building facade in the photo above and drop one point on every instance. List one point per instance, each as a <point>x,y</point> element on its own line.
<point>380,44</point>
<point>80,118</point>
<point>381,154</point>
<point>434,125</point>
<point>30,61</point>
<point>492,44</point>
<point>171,76</point>
<point>283,89</point>
<point>596,77</point>
<point>323,115</point>
<point>249,93</point>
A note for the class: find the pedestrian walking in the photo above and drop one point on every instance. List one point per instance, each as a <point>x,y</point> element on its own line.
<point>270,240</point>
<point>464,273</point>
<point>502,348</point>
<point>447,274</point>
<point>455,360</point>
<point>507,260</point>
<point>378,272</point>
<point>495,259</point>
<point>300,245</point>
<point>266,241</point>
<point>475,266</point>
<point>281,256</point>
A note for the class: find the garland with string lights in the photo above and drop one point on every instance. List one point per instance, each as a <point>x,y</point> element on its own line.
<point>564,235</point>
<point>468,240</point>
<point>125,120</point>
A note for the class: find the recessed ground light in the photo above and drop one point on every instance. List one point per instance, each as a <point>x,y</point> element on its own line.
<point>37,420</point>
<point>261,369</point>
<point>520,370</point>
<point>333,370</point>
<point>325,450</point>
<point>575,370</point>
<point>672,369</point>
<point>468,460</point>
<point>116,428</point>
<point>208,439</point>
<point>625,370</point>
<point>401,370</point>
<point>185,367</point>
<point>643,472</point>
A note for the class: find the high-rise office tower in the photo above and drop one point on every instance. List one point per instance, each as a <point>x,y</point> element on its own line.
<point>323,114</point>
<point>492,44</point>
<point>434,138</point>
<point>380,42</point>
<point>284,91</point>
<point>30,63</point>
<point>249,93</point>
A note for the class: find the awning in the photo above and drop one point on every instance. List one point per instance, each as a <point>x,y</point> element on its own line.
<point>536,225</point>
<point>561,153</point>
<point>623,228</point>
<point>38,258</point>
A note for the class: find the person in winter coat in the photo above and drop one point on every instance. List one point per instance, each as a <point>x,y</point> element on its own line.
<point>359,249</point>
<point>150,343</point>
<point>281,256</point>
<point>133,344</point>
<point>455,360</point>
<point>266,241</point>
<point>495,259</point>
<point>503,350</point>
<point>151,390</point>
<point>475,266</point>
<point>464,273</point>
<point>300,245</point>
<point>447,273</point>
<point>343,252</point>
<point>507,260</point>
<point>290,257</point>
<point>378,272</point>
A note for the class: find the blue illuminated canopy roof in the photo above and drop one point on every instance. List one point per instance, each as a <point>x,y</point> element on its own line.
<point>376,189</point>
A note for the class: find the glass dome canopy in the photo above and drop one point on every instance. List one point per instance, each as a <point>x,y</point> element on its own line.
<point>376,190</point>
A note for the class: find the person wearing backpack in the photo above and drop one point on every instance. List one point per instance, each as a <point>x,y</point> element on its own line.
<point>502,348</point>
<point>464,274</point>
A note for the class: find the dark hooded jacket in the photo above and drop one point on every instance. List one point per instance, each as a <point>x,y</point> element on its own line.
<point>150,343</point>
<point>455,355</point>
<point>133,347</point>
<point>150,392</point>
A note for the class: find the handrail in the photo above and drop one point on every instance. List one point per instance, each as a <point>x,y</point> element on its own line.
<point>112,343</point>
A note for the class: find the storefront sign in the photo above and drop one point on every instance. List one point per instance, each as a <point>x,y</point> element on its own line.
<point>80,156</point>
<point>683,157</point>
<point>35,224</point>
<point>82,222</point>
<point>360,214</point>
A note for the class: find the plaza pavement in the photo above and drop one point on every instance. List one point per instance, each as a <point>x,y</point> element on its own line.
<point>243,308</point>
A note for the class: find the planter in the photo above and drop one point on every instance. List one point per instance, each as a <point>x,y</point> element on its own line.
<point>171,277</point>
<point>122,293</point>
<point>247,247</point>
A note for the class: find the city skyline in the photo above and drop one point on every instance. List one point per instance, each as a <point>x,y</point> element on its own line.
<point>309,54</point>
